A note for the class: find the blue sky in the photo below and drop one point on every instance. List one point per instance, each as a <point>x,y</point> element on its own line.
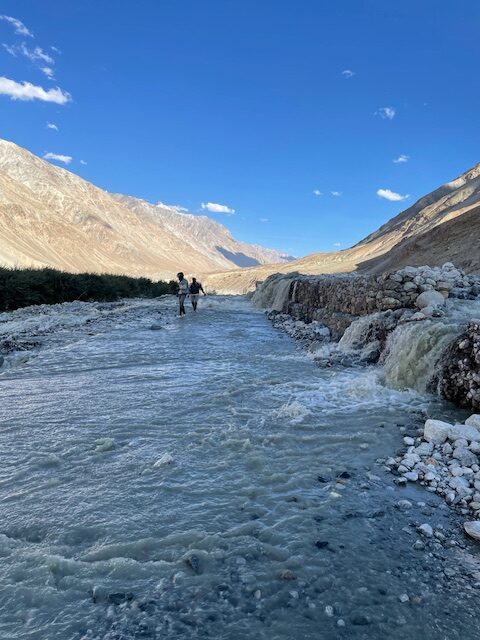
<point>244,104</point>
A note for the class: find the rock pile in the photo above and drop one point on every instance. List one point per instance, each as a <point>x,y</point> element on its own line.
<point>460,377</point>
<point>445,459</point>
<point>424,288</point>
<point>309,334</point>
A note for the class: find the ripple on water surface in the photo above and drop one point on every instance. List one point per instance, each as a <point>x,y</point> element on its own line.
<point>202,481</point>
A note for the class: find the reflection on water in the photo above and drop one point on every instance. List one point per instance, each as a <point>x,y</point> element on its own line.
<point>182,483</point>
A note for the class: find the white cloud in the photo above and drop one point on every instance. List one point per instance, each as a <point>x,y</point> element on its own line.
<point>387,113</point>
<point>317,192</point>
<point>35,55</point>
<point>348,73</point>
<point>48,71</point>
<point>29,91</point>
<point>83,162</point>
<point>50,125</point>
<point>263,219</point>
<point>401,158</point>
<point>58,157</point>
<point>337,244</point>
<point>391,195</point>
<point>20,28</point>
<point>12,50</point>
<point>217,208</point>
<point>337,194</point>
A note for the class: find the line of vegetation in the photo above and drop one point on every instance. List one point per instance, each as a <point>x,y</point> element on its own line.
<point>24,287</point>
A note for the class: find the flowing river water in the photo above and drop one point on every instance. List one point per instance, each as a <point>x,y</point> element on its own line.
<point>206,480</point>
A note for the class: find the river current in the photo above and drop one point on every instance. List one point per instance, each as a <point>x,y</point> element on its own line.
<point>205,480</point>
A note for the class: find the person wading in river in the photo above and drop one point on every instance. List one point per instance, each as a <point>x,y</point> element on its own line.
<point>182,293</point>
<point>195,289</point>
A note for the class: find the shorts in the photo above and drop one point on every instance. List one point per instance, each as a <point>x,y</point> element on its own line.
<point>181,297</point>
<point>194,297</point>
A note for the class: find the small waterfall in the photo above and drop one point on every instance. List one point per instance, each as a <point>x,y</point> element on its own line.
<point>413,350</point>
<point>357,335</point>
<point>273,293</point>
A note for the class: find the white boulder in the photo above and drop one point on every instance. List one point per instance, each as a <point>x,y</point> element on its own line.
<point>463,431</point>
<point>473,421</point>
<point>436,431</point>
<point>164,460</point>
<point>472,529</point>
<point>429,298</point>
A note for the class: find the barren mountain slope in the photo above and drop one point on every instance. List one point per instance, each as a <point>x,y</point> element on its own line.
<point>442,226</point>
<point>51,217</point>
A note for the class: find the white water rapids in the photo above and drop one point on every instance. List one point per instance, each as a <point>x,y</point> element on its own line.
<point>180,483</point>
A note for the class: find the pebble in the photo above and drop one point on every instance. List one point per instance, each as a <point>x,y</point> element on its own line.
<point>340,622</point>
<point>404,597</point>
<point>329,610</point>
<point>419,545</point>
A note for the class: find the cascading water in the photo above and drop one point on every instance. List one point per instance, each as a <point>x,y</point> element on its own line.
<point>273,293</point>
<point>414,349</point>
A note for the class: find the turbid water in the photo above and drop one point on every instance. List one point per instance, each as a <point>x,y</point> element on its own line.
<point>206,480</point>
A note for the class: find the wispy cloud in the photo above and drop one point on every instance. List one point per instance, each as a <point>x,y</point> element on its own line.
<point>50,125</point>
<point>263,219</point>
<point>337,244</point>
<point>348,73</point>
<point>29,91</point>
<point>217,208</point>
<point>48,71</point>
<point>337,194</point>
<point>34,55</point>
<point>401,159</point>
<point>83,162</point>
<point>20,28</point>
<point>58,157</point>
<point>387,113</point>
<point>391,195</point>
<point>317,192</point>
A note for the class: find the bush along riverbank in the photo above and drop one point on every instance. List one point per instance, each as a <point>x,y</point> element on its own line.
<point>430,344</point>
<point>26,287</point>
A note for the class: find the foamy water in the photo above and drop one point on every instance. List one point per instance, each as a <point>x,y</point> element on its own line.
<point>181,483</point>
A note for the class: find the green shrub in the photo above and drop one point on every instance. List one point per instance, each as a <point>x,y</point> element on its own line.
<point>24,287</point>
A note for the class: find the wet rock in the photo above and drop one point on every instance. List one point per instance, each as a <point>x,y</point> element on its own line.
<point>426,530</point>
<point>360,620</point>
<point>404,597</point>
<point>193,561</point>
<point>429,299</point>
<point>287,575</point>
<point>120,598</point>
<point>472,529</point>
<point>321,544</point>
<point>404,505</point>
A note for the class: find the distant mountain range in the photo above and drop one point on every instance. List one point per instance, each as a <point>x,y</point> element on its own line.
<point>442,226</point>
<point>52,217</point>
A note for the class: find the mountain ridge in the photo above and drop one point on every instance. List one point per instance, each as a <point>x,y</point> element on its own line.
<point>50,216</point>
<point>434,230</point>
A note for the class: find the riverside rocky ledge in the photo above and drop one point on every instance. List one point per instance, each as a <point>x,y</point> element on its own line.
<point>439,305</point>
